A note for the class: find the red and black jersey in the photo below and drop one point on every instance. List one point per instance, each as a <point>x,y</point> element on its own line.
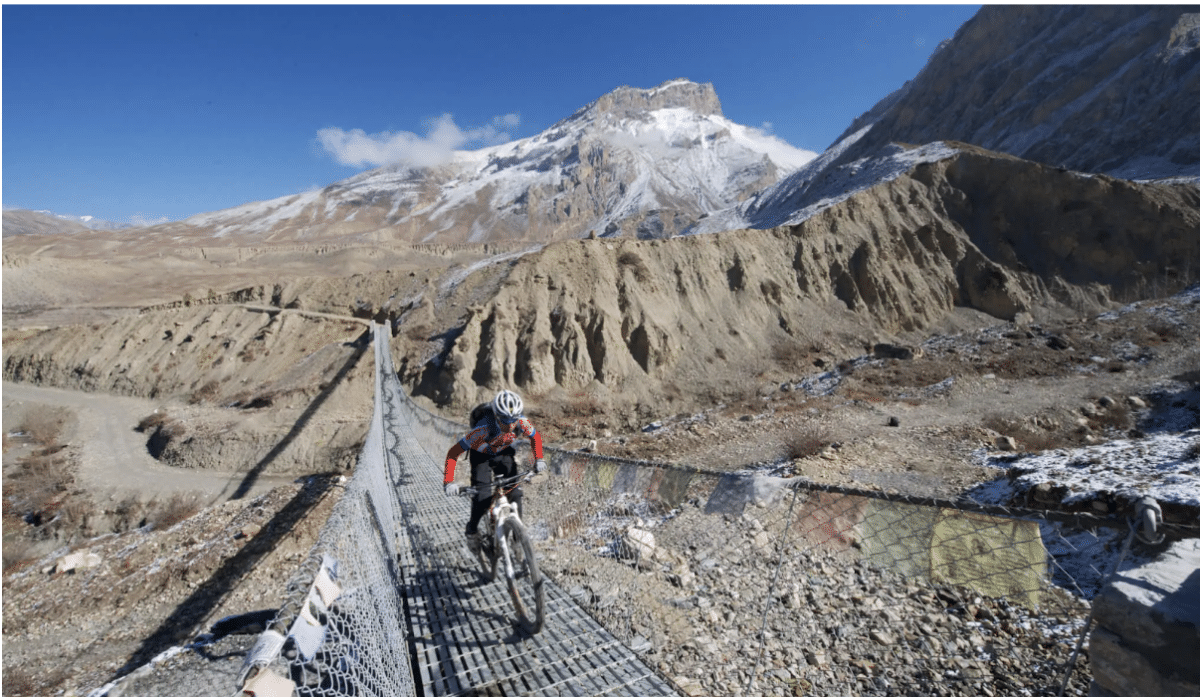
<point>489,438</point>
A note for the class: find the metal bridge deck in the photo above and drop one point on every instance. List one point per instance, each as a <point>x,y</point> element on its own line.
<point>464,638</point>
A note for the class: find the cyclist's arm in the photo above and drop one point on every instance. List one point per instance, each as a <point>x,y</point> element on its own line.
<point>451,460</point>
<point>536,441</point>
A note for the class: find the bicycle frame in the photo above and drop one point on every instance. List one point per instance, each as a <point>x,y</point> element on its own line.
<point>501,511</point>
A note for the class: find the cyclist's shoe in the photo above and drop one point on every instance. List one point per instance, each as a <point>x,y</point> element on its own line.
<point>474,542</point>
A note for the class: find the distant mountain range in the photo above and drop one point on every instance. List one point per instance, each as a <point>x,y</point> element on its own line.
<point>1095,89</point>
<point>23,222</point>
<point>641,162</point>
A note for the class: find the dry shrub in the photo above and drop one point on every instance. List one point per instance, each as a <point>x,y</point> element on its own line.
<point>1193,452</point>
<point>1030,438</point>
<point>20,683</point>
<point>583,405</point>
<point>1166,331</point>
<point>1118,417</point>
<point>806,441</point>
<point>635,264</point>
<point>44,424</point>
<point>742,396</point>
<point>791,353</point>
<point>175,509</point>
<point>129,514</point>
<point>19,552</point>
<point>999,423</point>
<point>1038,440</point>
<point>78,513</point>
<point>858,394</point>
<point>418,332</point>
<point>34,484</point>
<point>207,393</point>
<point>151,422</point>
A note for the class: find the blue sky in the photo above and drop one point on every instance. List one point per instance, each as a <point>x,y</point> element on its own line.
<point>142,112</point>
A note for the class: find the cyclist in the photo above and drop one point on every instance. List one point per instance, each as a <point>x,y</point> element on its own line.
<point>490,443</point>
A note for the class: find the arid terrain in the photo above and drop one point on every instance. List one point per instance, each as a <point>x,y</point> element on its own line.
<point>158,467</point>
<point>1000,257</point>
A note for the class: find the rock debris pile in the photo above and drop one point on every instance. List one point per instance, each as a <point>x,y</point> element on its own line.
<point>693,599</point>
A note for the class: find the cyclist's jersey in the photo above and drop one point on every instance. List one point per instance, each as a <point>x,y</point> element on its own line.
<point>488,438</point>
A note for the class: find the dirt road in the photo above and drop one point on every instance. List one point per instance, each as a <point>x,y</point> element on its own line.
<point>113,459</point>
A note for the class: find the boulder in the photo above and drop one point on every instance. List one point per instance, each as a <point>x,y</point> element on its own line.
<point>1148,627</point>
<point>637,544</point>
<point>77,560</point>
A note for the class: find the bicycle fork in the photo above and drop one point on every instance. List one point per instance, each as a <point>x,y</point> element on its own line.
<point>505,553</point>
<point>504,515</point>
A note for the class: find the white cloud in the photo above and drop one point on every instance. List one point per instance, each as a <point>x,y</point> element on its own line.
<point>360,149</point>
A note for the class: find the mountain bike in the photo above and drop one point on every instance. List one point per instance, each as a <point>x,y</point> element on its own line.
<point>506,546</point>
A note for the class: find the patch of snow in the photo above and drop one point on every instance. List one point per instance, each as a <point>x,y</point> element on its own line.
<point>861,175</point>
<point>821,384</point>
<point>817,185</point>
<point>666,86</point>
<point>1165,466</point>
<point>451,282</point>
<point>259,216</point>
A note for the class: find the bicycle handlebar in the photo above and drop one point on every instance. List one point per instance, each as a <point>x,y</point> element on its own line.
<point>499,483</point>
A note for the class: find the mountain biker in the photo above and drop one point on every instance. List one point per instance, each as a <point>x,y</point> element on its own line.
<point>490,444</point>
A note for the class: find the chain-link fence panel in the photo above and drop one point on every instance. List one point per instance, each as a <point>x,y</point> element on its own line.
<point>339,630</point>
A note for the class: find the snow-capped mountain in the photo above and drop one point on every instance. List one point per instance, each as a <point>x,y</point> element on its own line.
<point>25,222</point>
<point>1113,90</point>
<point>641,162</point>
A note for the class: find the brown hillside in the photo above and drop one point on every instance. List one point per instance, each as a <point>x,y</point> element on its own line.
<point>677,322</point>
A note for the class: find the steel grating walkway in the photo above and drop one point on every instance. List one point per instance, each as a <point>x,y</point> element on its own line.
<point>462,636</point>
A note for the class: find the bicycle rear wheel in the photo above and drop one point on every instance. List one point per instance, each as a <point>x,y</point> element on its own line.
<point>525,583</point>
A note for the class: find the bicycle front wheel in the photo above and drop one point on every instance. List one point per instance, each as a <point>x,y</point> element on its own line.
<point>486,554</point>
<point>525,583</point>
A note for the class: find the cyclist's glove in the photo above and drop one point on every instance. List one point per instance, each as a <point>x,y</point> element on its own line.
<point>451,489</point>
<point>539,466</point>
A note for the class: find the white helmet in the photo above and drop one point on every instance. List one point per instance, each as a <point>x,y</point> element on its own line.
<point>507,406</point>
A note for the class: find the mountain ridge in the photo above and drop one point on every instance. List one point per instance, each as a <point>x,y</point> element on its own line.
<point>1093,89</point>
<point>643,162</point>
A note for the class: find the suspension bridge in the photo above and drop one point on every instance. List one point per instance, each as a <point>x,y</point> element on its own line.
<point>390,602</point>
<point>397,606</point>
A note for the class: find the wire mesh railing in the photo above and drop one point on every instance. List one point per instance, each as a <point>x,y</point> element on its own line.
<point>731,583</point>
<point>339,630</point>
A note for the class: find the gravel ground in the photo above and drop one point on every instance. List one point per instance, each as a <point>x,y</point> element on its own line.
<point>834,624</point>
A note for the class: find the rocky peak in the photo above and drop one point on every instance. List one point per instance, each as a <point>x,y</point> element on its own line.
<point>1090,88</point>
<point>632,101</point>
